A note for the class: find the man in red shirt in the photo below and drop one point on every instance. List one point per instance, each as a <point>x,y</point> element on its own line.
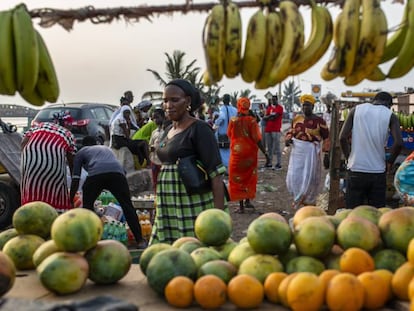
<point>273,118</point>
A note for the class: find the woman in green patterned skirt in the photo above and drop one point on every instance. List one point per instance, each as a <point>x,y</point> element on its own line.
<point>176,209</point>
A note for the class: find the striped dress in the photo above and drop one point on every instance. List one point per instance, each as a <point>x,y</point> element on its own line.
<point>43,165</point>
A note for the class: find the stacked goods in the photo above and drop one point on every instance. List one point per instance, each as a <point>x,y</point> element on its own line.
<point>366,253</point>
<point>65,249</point>
<point>276,47</point>
<point>25,64</point>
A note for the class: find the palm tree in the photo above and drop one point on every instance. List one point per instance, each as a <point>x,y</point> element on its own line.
<point>177,69</point>
<point>291,94</point>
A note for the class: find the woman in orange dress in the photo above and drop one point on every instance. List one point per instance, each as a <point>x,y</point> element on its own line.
<point>245,140</point>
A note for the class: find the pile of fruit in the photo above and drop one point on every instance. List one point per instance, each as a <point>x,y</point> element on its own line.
<point>353,260</point>
<point>65,249</point>
<point>25,63</point>
<point>276,48</point>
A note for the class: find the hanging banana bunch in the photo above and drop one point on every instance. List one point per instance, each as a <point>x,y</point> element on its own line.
<point>222,39</point>
<point>25,63</point>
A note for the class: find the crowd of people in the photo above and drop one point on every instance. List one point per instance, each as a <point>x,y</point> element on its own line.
<point>222,144</point>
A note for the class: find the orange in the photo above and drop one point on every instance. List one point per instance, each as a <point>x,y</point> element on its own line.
<point>271,286</point>
<point>410,251</point>
<point>356,260</point>
<point>245,291</point>
<point>411,290</point>
<point>305,292</point>
<point>179,292</point>
<point>344,293</point>
<point>387,276</point>
<point>210,291</point>
<point>326,276</point>
<point>400,280</point>
<point>282,290</point>
<point>376,290</point>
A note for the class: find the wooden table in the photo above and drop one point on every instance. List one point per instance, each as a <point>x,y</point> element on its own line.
<point>133,288</point>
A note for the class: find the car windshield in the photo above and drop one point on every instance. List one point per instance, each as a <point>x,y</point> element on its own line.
<point>47,114</point>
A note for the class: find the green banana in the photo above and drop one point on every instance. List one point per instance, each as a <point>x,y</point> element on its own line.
<point>33,97</point>
<point>26,50</point>
<point>396,41</point>
<point>47,83</point>
<point>318,42</point>
<point>233,41</point>
<point>214,42</point>
<point>293,41</point>
<point>7,71</point>
<point>255,47</point>
<point>405,59</point>
<point>274,41</point>
<point>372,40</point>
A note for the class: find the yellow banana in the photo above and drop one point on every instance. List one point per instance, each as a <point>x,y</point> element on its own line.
<point>331,69</point>
<point>214,42</point>
<point>26,50</point>
<point>396,40</point>
<point>348,36</point>
<point>318,42</point>
<point>405,59</point>
<point>47,83</point>
<point>232,59</point>
<point>274,41</point>
<point>7,71</point>
<point>255,47</point>
<point>372,40</point>
<point>293,41</point>
<point>376,75</point>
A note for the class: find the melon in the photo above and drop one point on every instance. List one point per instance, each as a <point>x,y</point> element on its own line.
<point>167,264</point>
<point>77,230</point>
<point>63,273</point>
<point>34,218</point>
<point>109,261</point>
<point>213,227</point>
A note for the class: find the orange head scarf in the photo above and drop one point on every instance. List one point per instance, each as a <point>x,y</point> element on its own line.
<point>243,105</point>
<point>307,98</point>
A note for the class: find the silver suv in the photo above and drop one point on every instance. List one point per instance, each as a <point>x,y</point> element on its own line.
<point>89,119</point>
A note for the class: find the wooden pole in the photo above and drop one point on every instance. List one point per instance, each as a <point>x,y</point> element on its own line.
<point>334,160</point>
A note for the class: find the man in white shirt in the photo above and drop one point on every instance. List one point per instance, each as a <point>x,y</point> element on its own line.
<point>369,126</point>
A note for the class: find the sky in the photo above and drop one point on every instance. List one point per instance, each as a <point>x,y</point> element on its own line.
<point>98,62</point>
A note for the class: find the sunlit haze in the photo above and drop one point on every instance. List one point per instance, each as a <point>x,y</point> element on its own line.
<point>98,62</point>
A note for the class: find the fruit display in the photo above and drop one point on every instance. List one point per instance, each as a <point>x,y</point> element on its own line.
<point>26,66</point>
<point>276,47</point>
<point>360,252</point>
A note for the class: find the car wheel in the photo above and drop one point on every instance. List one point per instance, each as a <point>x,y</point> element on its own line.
<point>9,202</point>
<point>100,140</point>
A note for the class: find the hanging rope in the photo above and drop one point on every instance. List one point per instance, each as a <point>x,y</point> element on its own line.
<point>66,18</point>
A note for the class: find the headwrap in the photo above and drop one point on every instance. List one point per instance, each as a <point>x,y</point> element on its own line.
<point>243,105</point>
<point>307,98</point>
<point>188,90</point>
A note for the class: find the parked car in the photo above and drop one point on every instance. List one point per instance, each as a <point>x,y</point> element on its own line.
<point>89,119</point>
